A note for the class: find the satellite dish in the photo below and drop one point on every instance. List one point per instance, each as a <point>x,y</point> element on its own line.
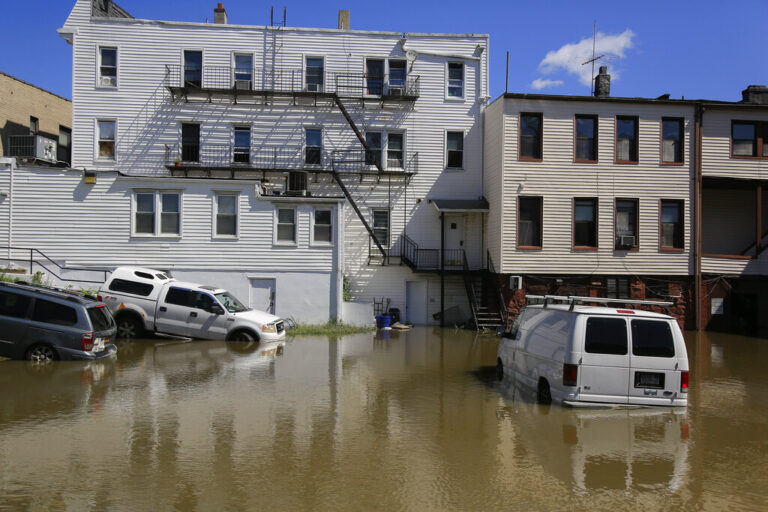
<point>411,55</point>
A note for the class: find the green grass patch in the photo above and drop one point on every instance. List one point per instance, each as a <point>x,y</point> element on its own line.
<point>332,328</point>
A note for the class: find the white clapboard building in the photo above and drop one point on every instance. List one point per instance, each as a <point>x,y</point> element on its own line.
<point>295,166</point>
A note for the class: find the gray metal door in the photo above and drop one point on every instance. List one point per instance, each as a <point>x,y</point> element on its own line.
<point>263,295</point>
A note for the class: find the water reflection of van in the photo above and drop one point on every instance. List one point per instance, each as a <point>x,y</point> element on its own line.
<point>581,355</point>
<point>641,449</point>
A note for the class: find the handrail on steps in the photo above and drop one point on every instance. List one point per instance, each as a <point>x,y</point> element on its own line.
<point>57,274</point>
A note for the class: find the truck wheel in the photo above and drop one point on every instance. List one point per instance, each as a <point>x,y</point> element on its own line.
<point>243,335</point>
<point>129,326</point>
<point>499,370</point>
<point>41,353</point>
<point>543,396</point>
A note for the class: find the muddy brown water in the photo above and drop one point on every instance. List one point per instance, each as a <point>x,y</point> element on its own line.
<point>413,421</point>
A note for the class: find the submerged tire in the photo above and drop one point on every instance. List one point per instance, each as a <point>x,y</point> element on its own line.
<point>243,335</point>
<point>41,353</point>
<point>499,370</point>
<point>129,326</point>
<point>543,395</point>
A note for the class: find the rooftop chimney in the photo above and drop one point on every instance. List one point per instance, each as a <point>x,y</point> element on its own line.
<point>343,19</point>
<point>220,15</point>
<point>757,94</point>
<point>603,83</point>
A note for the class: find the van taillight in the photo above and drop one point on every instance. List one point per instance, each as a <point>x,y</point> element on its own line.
<point>684,382</point>
<point>87,340</point>
<point>98,298</point>
<point>570,374</point>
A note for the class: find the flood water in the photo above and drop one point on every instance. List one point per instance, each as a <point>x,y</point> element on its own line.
<point>414,421</point>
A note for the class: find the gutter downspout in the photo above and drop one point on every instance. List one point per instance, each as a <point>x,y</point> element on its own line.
<point>697,217</point>
<point>442,269</point>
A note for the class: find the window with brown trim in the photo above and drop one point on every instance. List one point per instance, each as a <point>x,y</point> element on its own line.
<point>626,223</point>
<point>530,136</point>
<point>586,138</point>
<point>672,140</point>
<point>671,224</point>
<point>585,223</point>
<point>749,139</point>
<point>626,139</point>
<point>529,229</point>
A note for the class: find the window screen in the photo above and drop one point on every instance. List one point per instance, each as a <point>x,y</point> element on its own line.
<point>54,313</point>
<point>132,287</point>
<point>13,304</point>
<point>178,296</point>
<point>606,336</point>
<point>652,338</point>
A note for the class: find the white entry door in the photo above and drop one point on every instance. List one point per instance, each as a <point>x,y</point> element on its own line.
<point>416,302</point>
<point>454,239</point>
<point>263,295</point>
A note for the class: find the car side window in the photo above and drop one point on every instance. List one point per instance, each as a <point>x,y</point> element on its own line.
<point>178,296</point>
<point>203,301</point>
<point>606,336</point>
<point>514,331</point>
<point>53,313</point>
<point>132,287</point>
<point>14,305</point>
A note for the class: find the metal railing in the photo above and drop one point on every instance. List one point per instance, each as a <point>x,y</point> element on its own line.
<point>390,86</point>
<point>360,160</point>
<point>428,259</point>
<point>493,277</point>
<point>35,260</point>
<point>22,146</point>
<point>228,156</point>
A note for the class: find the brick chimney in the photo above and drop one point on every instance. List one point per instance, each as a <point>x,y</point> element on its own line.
<point>220,14</point>
<point>757,94</point>
<point>603,83</point>
<point>343,19</point>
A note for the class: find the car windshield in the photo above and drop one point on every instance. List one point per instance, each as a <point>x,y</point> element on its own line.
<point>230,303</point>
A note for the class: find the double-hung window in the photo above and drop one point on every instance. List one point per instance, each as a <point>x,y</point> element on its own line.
<point>241,152</point>
<point>313,146</point>
<point>586,138</point>
<point>749,139</point>
<point>243,71</point>
<point>107,67</point>
<point>286,226</point>
<point>157,213</point>
<point>455,86</point>
<point>672,141</point>
<point>454,143</point>
<point>381,225</point>
<point>373,155</point>
<point>395,150</point>
<point>585,223</point>
<point>529,229</point>
<point>626,216</point>
<point>190,142</point>
<point>193,68</point>
<point>626,139</point>
<point>671,224</point>
<point>322,231</point>
<point>397,74</point>
<point>314,70</point>
<point>374,76</point>
<point>106,141</point>
<point>226,214</point>
<point>530,136</point>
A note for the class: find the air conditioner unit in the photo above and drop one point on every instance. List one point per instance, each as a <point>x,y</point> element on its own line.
<point>108,81</point>
<point>314,87</point>
<point>243,85</point>
<point>45,149</point>
<point>627,241</point>
<point>396,91</point>
<point>297,183</point>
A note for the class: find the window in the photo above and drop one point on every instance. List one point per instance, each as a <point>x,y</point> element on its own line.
<point>455,80</point>
<point>530,136</point>
<point>373,155</point>
<point>322,231</point>
<point>313,152</point>
<point>397,75</point>
<point>190,142</point>
<point>132,287</point>
<point>286,225</point>
<point>243,71</point>
<point>586,138</point>
<point>585,223</point>
<point>241,152</point>
<point>671,224</point>
<point>106,140</point>
<point>179,296</point>
<point>381,226</point>
<point>100,320</point>
<point>193,68</point>
<point>65,142</point>
<point>529,222</point>
<point>395,150</point>
<point>672,141</point>
<point>314,74</point>
<point>749,139</point>
<point>652,338</point>
<point>606,336</point>
<point>147,222</point>
<point>107,67</point>
<point>203,301</point>
<point>455,150</point>
<point>626,216</point>
<point>617,288</point>
<point>626,139</point>
<point>226,215</point>
<point>53,313</point>
<point>374,76</point>
<point>13,304</point>
<point>297,181</point>
<point>34,125</point>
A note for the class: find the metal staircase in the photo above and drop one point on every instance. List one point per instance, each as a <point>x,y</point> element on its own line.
<point>482,315</point>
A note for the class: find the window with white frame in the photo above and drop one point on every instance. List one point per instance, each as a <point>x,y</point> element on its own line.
<point>455,80</point>
<point>286,226</point>
<point>243,71</point>
<point>323,226</point>
<point>395,150</point>
<point>107,66</point>
<point>385,143</point>
<point>373,155</point>
<point>157,213</point>
<point>313,74</point>
<point>226,214</point>
<point>454,145</point>
<point>241,151</point>
<point>313,146</point>
<point>106,139</point>
<point>381,225</point>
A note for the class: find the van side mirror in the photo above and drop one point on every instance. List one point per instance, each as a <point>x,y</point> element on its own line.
<point>217,310</point>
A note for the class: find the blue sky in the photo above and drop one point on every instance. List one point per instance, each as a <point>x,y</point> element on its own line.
<point>697,49</point>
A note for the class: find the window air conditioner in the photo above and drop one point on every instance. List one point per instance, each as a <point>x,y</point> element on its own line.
<point>396,91</point>
<point>314,88</point>
<point>297,183</point>
<point>108,81</point>
<point>627,241</point>
<point>243,85</point>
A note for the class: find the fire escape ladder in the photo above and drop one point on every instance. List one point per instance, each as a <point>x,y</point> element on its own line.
<point>355,129</point>
<point>337,177</point>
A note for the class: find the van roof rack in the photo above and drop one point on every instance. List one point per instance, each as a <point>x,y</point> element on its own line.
<point>572,300</point>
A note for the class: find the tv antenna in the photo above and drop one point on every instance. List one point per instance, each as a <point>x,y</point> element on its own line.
<point>593,59</point>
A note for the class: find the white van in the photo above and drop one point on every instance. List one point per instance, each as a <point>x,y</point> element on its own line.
<point>583,355</point>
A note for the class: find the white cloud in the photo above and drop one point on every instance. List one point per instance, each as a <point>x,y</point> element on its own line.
<point>570,57</point>
<point>541,83</point>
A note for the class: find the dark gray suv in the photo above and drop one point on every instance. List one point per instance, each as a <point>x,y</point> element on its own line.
<point>45,324</point>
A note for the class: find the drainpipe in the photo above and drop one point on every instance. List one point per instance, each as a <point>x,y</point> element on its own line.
<point>697,216</point>
<point>442,269</point>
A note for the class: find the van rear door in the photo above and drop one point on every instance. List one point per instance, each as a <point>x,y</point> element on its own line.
<point>604,367</point>
<point>654,376</point>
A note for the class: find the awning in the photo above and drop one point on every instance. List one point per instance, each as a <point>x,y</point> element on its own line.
<point>460,205</point>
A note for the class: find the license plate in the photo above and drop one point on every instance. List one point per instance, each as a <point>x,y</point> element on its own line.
<point>649,380</point>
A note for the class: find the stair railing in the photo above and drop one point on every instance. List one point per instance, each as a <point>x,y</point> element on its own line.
<point>503,311</point>
<point>37,257</point>
<point>469,288</point>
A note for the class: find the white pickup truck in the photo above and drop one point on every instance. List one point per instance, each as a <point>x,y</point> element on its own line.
<point>144,300</point>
